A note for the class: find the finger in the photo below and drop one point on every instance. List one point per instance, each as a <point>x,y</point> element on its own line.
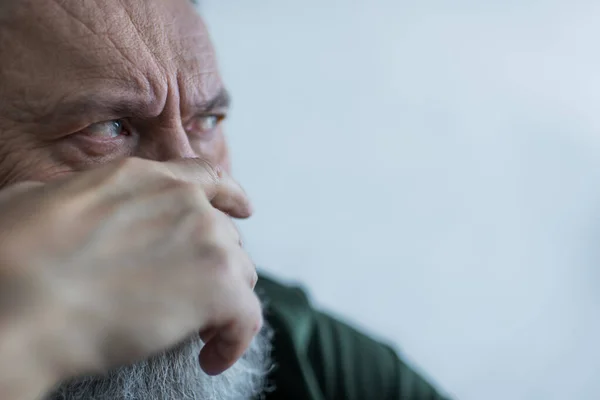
<point>207,334</point>
<point>230,233</point>
<point>232,339</point>
<point>248,268</point>
<point>26,185</point>
<point>229,229</point>
<point>18,188</point>
<point>222,191</point>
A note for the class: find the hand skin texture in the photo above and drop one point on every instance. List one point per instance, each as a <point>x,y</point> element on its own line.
<point>104,227</point>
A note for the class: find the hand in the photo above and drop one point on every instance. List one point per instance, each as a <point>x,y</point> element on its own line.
<point>115,264</point>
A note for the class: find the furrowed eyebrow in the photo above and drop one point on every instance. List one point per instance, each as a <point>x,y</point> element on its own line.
<point>221,101</point>
<point>105,106</point>
<point>96,107</point>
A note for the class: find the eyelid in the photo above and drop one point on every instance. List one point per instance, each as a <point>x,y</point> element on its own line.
<point>220,116</point>
<point>213,111</point>
<point>126,129</point>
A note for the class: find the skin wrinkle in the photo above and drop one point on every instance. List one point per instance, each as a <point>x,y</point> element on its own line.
<point>104,34</point>
<point>89,69</point>
<point>122,50</point>
<point>155,55</point>
<point>139,36</point>
<point>13,169</point>
<point>71,14</point>
<point>88,107</point>
<point>200,80</point>
<point>137,30</point>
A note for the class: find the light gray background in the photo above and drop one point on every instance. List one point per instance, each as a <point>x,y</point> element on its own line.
<point>431,170</point>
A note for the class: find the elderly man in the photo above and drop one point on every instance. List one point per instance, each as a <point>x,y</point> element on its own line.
<point>122,275</point>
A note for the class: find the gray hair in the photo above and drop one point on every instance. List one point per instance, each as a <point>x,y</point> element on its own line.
<point>176,374</point>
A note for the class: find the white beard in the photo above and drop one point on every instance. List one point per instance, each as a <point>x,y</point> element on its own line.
<point>176,375</point>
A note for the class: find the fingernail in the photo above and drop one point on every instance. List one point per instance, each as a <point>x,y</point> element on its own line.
<point>224,350</point>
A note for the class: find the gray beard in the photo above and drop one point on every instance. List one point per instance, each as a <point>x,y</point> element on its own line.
<point>176,375</point>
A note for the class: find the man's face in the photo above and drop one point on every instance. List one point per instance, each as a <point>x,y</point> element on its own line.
<point>86,82</point>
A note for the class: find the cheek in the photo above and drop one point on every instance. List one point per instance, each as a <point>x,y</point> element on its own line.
<point>28,164</point>
<point>216,151</point>
<point>225,160</point>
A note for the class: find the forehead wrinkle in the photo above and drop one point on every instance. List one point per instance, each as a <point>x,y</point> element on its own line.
<point>198,77</point>
<point>174,45</point>
<point>130,43</point>
<point>88,58</point>
<point>78,18</point>
<point>114,99</point>
<point>159,26</point>
<point>142,36</point>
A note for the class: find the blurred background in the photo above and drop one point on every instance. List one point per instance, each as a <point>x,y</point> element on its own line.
<point>431,172</point>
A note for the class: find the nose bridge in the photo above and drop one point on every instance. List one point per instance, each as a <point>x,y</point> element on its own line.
<point>165,142</point>
<point>163,138</point>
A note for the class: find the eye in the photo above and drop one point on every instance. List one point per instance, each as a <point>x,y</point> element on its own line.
<point>204,124</point>
<point>105,130</point>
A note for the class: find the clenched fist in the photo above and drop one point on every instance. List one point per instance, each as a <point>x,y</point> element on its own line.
<point>115,264</point>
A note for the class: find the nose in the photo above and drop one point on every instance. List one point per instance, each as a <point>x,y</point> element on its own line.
<point>165,143</point>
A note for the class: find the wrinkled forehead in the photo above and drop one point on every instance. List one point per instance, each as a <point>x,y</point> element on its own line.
<point>93,26</point>
<point>71,41</point>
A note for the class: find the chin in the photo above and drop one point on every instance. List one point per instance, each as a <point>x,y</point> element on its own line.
<point>176,374</point>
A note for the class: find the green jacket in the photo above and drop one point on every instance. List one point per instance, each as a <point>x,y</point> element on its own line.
<point>319,358</point>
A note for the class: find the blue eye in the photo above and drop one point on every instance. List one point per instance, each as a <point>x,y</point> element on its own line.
<point>208,123</point>
<point>204,124</point>
<point>106,130</point>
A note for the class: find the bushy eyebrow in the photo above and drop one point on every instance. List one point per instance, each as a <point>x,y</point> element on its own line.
<point>105,106</point>
<point>219,102</point>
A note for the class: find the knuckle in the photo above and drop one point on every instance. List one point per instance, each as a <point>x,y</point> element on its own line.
<point>213,172</point>
<point>132,165</point>
<point>249,269</point>
<point>201,231</point>
<point>228,268</point>
<point>121,170</point>
<point>255,316</point>
<point>18,189</point>
<point>205,223</point>
<point>189,196</point>
<point>217,251</point>
<point>185,191</point>
<point>254,279</point>
<point>248,314</point>
<point>218,260</point>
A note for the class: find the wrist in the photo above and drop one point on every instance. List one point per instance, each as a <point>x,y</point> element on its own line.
<point>26,368</point>
<point>23,372</point>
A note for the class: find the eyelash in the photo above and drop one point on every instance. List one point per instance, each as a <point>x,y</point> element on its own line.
<point>193,130</point>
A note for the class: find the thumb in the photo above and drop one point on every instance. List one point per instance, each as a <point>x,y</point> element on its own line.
<point>222,191</point>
